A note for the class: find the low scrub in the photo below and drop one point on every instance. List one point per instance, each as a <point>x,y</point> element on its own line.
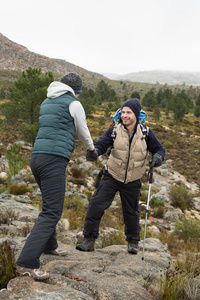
<point>114,238</point>
<point>75,210</point>
<point>181,281</point>
<point>7,264</point>
<point>7,216</point>
<point>188,229</point>
<point>180,197</point>
<point>157,206</point>
<point>18,189</point>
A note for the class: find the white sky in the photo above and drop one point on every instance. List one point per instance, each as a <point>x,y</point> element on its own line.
<point>108,36</point>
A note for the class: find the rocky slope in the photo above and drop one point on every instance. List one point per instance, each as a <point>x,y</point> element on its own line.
<point>17,57</point>
<point>108,273</point>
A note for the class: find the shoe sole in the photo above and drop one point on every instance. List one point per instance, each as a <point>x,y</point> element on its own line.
<point>133,252</point>
<point>26,273</point>
<point>56,253</point>
<point>83,249</point>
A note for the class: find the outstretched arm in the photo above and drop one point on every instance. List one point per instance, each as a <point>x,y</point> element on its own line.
<point>78,114</point>
<point>104,142</point>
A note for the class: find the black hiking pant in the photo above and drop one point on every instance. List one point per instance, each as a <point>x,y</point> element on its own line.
<point>102,199</point>
<point>50,174</point>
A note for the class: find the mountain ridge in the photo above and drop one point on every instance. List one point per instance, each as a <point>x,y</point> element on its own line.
<point>17,57</point>
<point>163,77</point>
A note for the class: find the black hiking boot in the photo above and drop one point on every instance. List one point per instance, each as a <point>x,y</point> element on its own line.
<point>133,246</point>
<point>87,244</point>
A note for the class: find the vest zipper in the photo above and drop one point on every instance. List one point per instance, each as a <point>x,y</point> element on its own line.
<point>127,162</point>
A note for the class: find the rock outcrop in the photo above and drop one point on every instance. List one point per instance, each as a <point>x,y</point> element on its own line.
<point>108,273</point>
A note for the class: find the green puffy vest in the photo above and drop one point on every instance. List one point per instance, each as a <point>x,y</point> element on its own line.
<point>56,127</point>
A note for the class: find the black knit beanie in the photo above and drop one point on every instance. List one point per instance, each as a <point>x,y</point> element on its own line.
<point>73,80</point>
<point>134,105</point>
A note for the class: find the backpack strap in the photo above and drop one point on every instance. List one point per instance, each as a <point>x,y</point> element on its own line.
<point>144,128</point>
<point>114,131</point>
<point>145,131</point>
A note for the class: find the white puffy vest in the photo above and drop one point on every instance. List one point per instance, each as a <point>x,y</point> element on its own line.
<point>126,162</point>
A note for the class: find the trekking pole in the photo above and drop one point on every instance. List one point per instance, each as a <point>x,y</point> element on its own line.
<point>150,177</point>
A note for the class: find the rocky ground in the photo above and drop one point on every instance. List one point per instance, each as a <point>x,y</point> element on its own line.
<point>107,273</point>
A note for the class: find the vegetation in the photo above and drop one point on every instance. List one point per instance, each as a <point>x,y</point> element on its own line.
<point>26,96</point>
<point>18,189</point>
<point>7,264</point>
<point>181,280</point>
<point>75,211</point>
<point>180,197</point>
<point>175,111</point>
<point>15,160</point>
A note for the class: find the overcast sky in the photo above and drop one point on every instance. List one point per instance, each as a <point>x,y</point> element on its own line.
<point>108,36</point>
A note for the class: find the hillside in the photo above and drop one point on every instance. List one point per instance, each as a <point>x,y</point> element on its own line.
<point>162,77</point>
<point>16,57</point>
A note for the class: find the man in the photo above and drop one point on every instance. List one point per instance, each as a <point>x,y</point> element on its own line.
<point>124,169</point>
<point>61,115</point>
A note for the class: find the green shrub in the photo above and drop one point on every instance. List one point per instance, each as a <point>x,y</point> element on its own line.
<point>78,176</point>
<point>113,219</point>
<point>117,238</point>
<point>77,173</point>
<point>143,214</point>
<point>144,196</point>
<point>167,144</point>
<point>155,202</point>
<point>88,194</point>
<point>101,120</point>
<point>30,189</point>
<point>75,211</point>
<point>180,197</point>
<point>158,211</point>
<point>37,201</point>
<point>181,282</point>
<point>188,229</point>
<point>7,264</point>
<point>74,202</point>
<point>2,189</point>
<point>18,189</point>
<point>16,161</point>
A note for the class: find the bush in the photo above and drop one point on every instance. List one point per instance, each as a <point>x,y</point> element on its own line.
<point>155,202</point>
<point>102,120</point>
<point>180,197</point>
<point>159,211</point>
<point>2,189</point>
<point>75,211</point>
<point>37,202</point>
<point>7,264</point>
<point>117,238</point>
<point>144,196</point>
<point>88,194</point>
<point>15,160</point>
<point>77,173</point>
<point>78,176</point>
<point>181,282</point>
<point>188,229</point>
<point>167,144</point>
<point>18,189</point>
